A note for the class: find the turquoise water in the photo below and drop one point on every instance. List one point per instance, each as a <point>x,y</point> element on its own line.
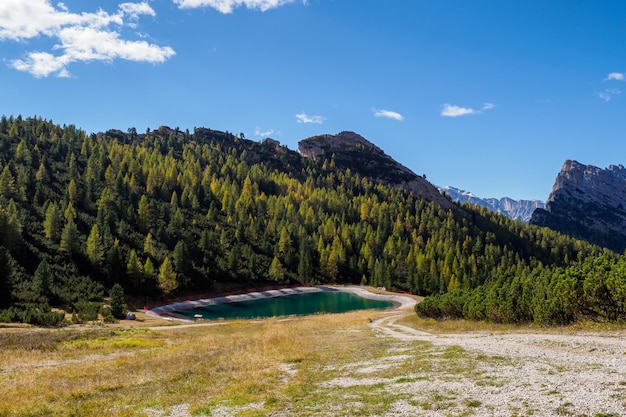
<point>296,304</point>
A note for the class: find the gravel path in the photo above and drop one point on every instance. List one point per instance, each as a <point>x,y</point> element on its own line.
<point>546,374</point>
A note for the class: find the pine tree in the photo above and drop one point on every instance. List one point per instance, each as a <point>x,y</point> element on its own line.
<point>95,248</point>
<point>117,301</point>
<point>284,248</point>
<point>148,269</point>
<point>13,132</point>
<point>276,271</point>
<point>42,280</point>
<point>115,265</point>
<point>70,238</point>
<point>52,222</point>
<point>143,211</point>
<point>176,225</point>
<point>10,227</point>
<point>134,268</point>
<point>167,277</point>
<point>7,183</point>
<point>72,191</point>
<point>180,258</point>
<point>149,247</point>
<point>42,174</point>
<point>70,213</point>
<point>306,271</point>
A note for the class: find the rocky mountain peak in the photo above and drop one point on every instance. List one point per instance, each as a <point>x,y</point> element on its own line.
<point>589,203</point>
<point>315,146</point>
<point>353,151</point>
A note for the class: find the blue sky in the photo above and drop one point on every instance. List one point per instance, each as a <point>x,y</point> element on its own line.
<point>488,96</point>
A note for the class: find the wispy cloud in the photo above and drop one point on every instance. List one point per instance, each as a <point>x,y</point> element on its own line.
<point>80,37</point>
<point>263,133</point>
<point>227,6</point>
<point>608,94</point>
<point>388,114</point>
<point>451,110</point>
<point>304,118</point>
<point>619,76</point>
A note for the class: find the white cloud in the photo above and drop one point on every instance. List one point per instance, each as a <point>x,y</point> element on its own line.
<point>136,9</point>
<point>619,76</point>
<point>304,118</point>
<point>263,134</point>
<point>227,6</point>
<point>451,110</point>
<point>608,94</point>
<point>41,64</point>
<point>388,114</point>
<point>81,36</point>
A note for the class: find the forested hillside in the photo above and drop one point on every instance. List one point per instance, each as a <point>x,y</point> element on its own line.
<point>84,217</point>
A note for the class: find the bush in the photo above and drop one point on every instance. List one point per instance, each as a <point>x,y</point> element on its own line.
<point>107,315</point>
<point>85,311</point>
<point>33,314</point>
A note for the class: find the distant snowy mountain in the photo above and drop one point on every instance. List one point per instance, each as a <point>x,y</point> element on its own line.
<point>515,209</point>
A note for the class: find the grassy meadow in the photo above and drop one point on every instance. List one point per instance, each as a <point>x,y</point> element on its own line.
<point>326,365</point>
<point>245,367</point>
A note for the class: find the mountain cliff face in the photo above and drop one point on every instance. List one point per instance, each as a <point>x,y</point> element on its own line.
<point>515,209</point>
<point>350,150</point>
<point>588,203</point>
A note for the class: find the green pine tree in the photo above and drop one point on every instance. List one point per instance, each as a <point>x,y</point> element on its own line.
<point>42,280</point>
<point>117,301</point>
<point>70,238</point>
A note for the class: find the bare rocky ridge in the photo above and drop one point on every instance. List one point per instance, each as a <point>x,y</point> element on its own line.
<point>588,203</point>
<point>317,146</point>
<point>351,150</point>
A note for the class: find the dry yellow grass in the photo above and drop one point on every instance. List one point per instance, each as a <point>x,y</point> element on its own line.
<point>294,366</point>
<point>118,372</point>
<point>301,366</point>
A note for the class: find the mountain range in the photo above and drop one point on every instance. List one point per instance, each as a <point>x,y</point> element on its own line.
<point>586,202</point>
<point>515,209</point>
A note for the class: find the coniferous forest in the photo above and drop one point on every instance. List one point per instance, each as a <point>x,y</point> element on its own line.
<point>89,220</point>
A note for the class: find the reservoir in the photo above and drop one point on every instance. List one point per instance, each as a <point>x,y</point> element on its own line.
<point>300,304</point>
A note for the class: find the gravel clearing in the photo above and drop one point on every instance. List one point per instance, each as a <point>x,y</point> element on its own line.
<point>546,374</point>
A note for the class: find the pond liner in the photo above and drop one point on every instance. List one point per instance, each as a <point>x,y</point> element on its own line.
<point>170,310</point>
